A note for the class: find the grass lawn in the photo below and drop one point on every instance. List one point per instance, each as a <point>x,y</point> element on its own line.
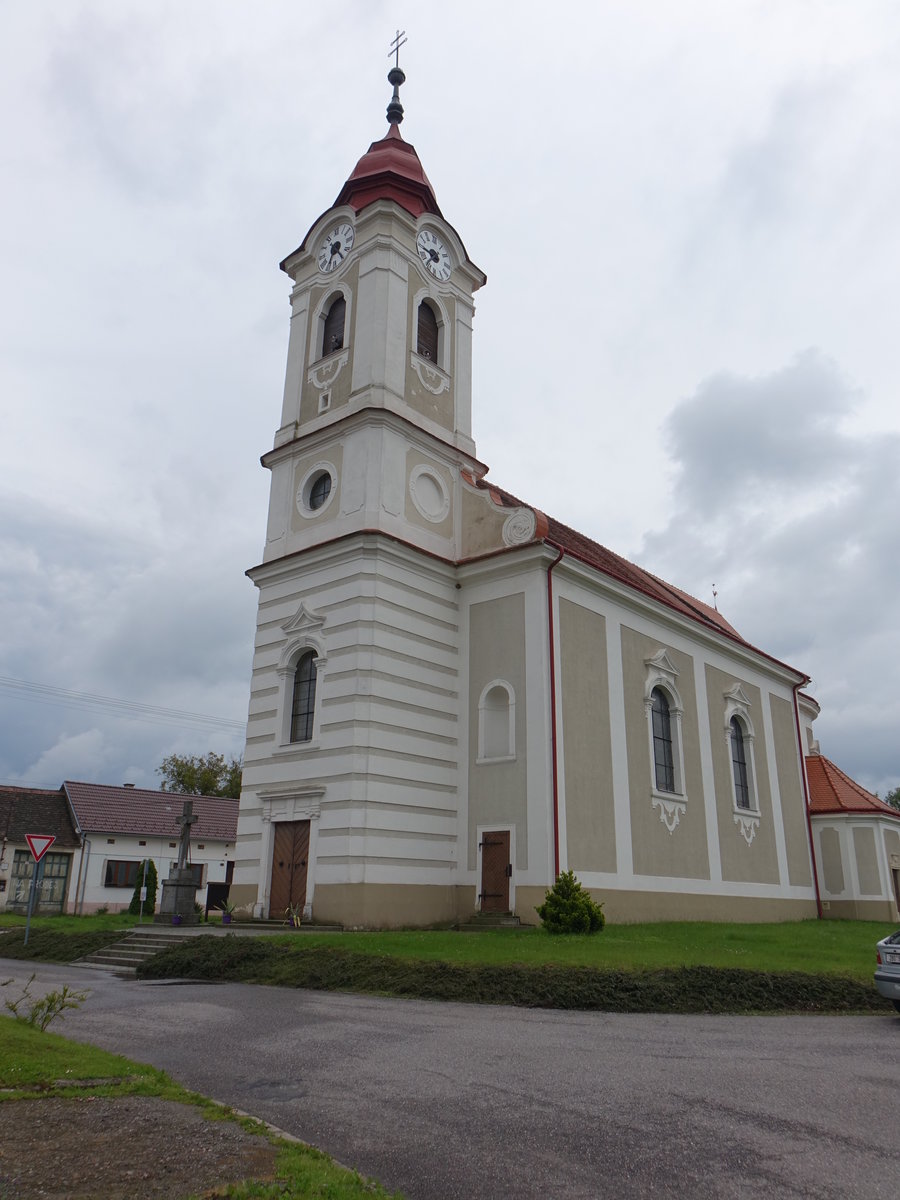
<point>44,1064</point>
<point>70,924</point>
<point>818,947</point>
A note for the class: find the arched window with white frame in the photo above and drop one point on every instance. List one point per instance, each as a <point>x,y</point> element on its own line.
<point>664,709</point>
<point>300,669</point>
<point>497,722</point>
<point>330,324</point>
<point>663,751</point>
<point>739,737</point>
<point>739,765</point>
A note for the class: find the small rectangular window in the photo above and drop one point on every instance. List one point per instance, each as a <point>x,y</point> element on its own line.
<point>120,873</point>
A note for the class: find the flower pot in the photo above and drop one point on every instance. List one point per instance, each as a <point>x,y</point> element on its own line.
<point>176,918</point>
<point>226,918</point>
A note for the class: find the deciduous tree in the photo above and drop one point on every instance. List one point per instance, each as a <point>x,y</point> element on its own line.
<point>194,774</point>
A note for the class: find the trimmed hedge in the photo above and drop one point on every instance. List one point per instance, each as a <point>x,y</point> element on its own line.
<point>49,945</point>
<point>676,990</point>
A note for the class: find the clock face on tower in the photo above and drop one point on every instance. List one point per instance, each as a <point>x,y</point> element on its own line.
<point>434,254</point>
<point>334,247</point>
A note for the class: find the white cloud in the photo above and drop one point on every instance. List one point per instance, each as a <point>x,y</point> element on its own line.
<point>794,518</point>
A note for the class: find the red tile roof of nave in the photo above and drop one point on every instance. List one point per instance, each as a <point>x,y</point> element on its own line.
<point>831,791</point>
<point>390,170</point>
<point>104,809</point>
<point>601,559</point>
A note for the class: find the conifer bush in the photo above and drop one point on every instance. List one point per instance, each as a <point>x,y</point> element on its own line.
<point>568,908</point>
<point>150,903</point>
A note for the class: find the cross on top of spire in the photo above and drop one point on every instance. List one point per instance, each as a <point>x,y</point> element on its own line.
<point>399,40</point>
<point>395,78</point>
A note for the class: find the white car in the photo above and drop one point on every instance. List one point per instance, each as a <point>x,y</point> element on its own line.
<point>887,976</point>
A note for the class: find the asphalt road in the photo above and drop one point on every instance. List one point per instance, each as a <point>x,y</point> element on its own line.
<point>447,1101</point>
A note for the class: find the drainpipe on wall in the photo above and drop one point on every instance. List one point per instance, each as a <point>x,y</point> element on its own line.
<point>553,755</point>
<point>83,866</point>
<point>812,847</point>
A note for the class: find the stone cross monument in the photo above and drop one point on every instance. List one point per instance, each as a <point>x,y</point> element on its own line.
<point>179,891</point>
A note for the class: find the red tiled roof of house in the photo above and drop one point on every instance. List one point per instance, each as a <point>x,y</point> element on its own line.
<point>104,809</point>
<point>831,791</point>
<point>36,810</point>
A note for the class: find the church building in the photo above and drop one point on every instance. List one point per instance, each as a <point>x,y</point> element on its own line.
<point>454,696</point>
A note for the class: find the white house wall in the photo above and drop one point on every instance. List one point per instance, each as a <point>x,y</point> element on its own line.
<point>87,890</point>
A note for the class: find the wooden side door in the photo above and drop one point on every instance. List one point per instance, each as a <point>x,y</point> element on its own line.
<point>496,870</point>
<point>290,855</point>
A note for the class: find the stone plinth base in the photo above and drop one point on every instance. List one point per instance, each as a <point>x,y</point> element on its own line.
<point>179,894</point>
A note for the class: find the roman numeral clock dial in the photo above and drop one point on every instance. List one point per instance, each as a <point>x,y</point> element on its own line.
<point>335,247</point>
<point>434,254</point>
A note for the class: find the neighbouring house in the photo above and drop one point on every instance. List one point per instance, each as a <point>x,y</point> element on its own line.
<point>39,811</point>
<point>121,826</point>
<point>454,696</point>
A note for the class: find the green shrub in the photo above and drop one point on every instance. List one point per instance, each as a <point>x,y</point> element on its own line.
<point>150,903</point>
<point>568,908</point>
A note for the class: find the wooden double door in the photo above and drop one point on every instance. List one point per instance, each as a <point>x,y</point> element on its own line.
<point>290,858</point>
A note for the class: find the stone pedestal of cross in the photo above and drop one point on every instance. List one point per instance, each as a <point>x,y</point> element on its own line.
<point>179,891</point>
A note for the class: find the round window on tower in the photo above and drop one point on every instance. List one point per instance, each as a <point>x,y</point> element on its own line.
<point>316,490</point>
<point>320,490</point>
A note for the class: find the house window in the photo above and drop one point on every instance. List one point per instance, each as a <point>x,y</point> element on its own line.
<point>427,333</point>
<point>54,878</point>
<point>120,873</point>
<point>496,723</point>
<point>663,756</point>
<point>303,702</point>
<point>333,329</point>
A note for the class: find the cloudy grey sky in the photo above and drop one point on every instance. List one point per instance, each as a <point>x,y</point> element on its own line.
<point>687,347</point>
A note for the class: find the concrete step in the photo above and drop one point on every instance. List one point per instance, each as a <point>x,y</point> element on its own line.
<point>134,948</point>
<point>124,956</point>
<point>485,922</point>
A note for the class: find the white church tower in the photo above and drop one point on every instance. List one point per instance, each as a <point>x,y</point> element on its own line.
<point>349,804</point>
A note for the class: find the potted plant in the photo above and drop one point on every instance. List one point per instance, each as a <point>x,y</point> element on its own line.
<point>293,915</point>
<point>227,911</point>
<point>176,918</point>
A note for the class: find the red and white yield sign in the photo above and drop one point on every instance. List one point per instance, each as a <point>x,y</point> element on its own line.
<point>39,844</point>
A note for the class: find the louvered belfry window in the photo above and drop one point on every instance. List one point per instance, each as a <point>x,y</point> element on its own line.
<point>427,338</point>
<point>333,338</point>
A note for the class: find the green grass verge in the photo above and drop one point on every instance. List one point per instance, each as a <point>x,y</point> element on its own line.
<point>66,923</point>
<point>31,1061</point>
<point>845,948</point>
<point>693,989</point>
